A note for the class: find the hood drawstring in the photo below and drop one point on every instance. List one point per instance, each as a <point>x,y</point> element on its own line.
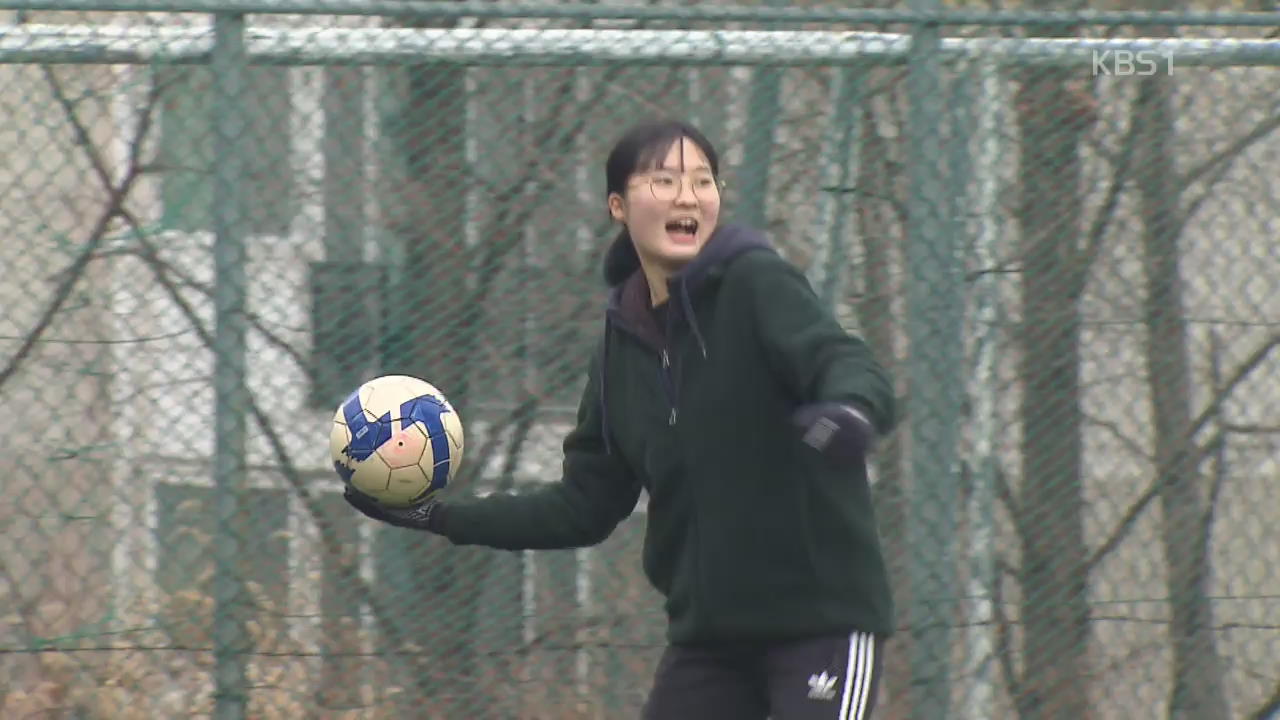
<point>621,262</point>
<point>686,306</point>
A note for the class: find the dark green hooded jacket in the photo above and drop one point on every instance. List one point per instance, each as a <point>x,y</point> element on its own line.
<point>751,535</point>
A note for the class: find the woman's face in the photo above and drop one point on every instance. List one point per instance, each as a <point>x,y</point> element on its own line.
<point>672,209</point>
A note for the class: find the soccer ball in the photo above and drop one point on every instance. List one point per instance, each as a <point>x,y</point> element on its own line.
<point>396,439</point>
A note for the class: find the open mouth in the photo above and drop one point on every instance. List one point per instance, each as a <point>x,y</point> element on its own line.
<point>683,230</point>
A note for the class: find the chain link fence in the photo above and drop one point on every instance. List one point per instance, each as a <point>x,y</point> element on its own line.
<point>1058,231</point>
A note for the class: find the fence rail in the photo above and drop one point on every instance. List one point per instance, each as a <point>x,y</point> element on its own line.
<point>71,44</point>
<point>717,13</point>
<point>1056,228</point>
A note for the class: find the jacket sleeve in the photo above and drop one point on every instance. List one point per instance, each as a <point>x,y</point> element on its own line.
<point>809,350</point>
<point>594,494</point>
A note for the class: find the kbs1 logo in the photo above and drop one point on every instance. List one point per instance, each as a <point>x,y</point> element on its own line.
<point>1124,63</point>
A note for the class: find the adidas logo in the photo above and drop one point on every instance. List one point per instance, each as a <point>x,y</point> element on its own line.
<point>822,686</point>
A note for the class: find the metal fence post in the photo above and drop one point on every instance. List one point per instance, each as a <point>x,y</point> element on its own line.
<point>934,372</point>
<point>842,150</point>
<point>229,123</point>
<point>757,151</point>
<point>985,111</point>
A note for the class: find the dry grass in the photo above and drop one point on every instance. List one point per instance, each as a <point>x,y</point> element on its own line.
<point>165,670</point>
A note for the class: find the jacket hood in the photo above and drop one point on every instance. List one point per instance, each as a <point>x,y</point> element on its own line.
<point>621,264</point>
<point>630,306</point>
<point>621,261</point>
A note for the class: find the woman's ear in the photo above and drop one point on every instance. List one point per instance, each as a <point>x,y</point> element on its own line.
<point>617,207</point>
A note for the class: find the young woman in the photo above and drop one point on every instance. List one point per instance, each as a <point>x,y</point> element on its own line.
<point>724,388</point>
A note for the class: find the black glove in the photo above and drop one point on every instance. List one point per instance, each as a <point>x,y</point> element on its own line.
<point>422,516</point>
<point>842,433</point>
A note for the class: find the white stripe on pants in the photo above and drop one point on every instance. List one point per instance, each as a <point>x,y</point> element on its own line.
<point>858,675</point>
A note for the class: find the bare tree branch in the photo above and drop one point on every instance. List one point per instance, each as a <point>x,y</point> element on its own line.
<point>1219,452</point>
<point>116,194</point>
<point>1215,490</point>
<point>1216,168</point>
<point>1102,220</point>
<point>1113,429</point>
<point>117,208</point>
<point>1189,210</point>
<point>1194,454</point>
<point>1238,429</point>
<point>1005,492</point>
<point>1004,644</point>
<point>151,257</point>
<point>1131,516</point>
<point>1235,378</point>
<point>1229,154</point>
<point>381,614</point>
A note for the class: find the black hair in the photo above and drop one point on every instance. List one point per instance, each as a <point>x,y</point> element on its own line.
<point>642,148</point>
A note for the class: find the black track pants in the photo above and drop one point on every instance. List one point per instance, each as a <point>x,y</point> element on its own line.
<point>827,678</point>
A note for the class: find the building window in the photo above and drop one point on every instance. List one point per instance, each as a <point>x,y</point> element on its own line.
<point>187,142</point>
<point>347,326</point>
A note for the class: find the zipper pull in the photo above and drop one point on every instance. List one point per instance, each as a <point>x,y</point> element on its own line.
<point>672,420</point>
<point>666,361</point>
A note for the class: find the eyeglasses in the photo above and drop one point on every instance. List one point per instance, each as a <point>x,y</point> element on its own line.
<point>667,186</point>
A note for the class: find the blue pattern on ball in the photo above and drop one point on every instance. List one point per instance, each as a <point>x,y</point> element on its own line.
<point>367,436</point>
<point>427,410</point>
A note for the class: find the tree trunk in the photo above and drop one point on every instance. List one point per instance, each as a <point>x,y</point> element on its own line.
<point>876,314</point>
<point>1052,575</point>
<point>1197,669</point>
